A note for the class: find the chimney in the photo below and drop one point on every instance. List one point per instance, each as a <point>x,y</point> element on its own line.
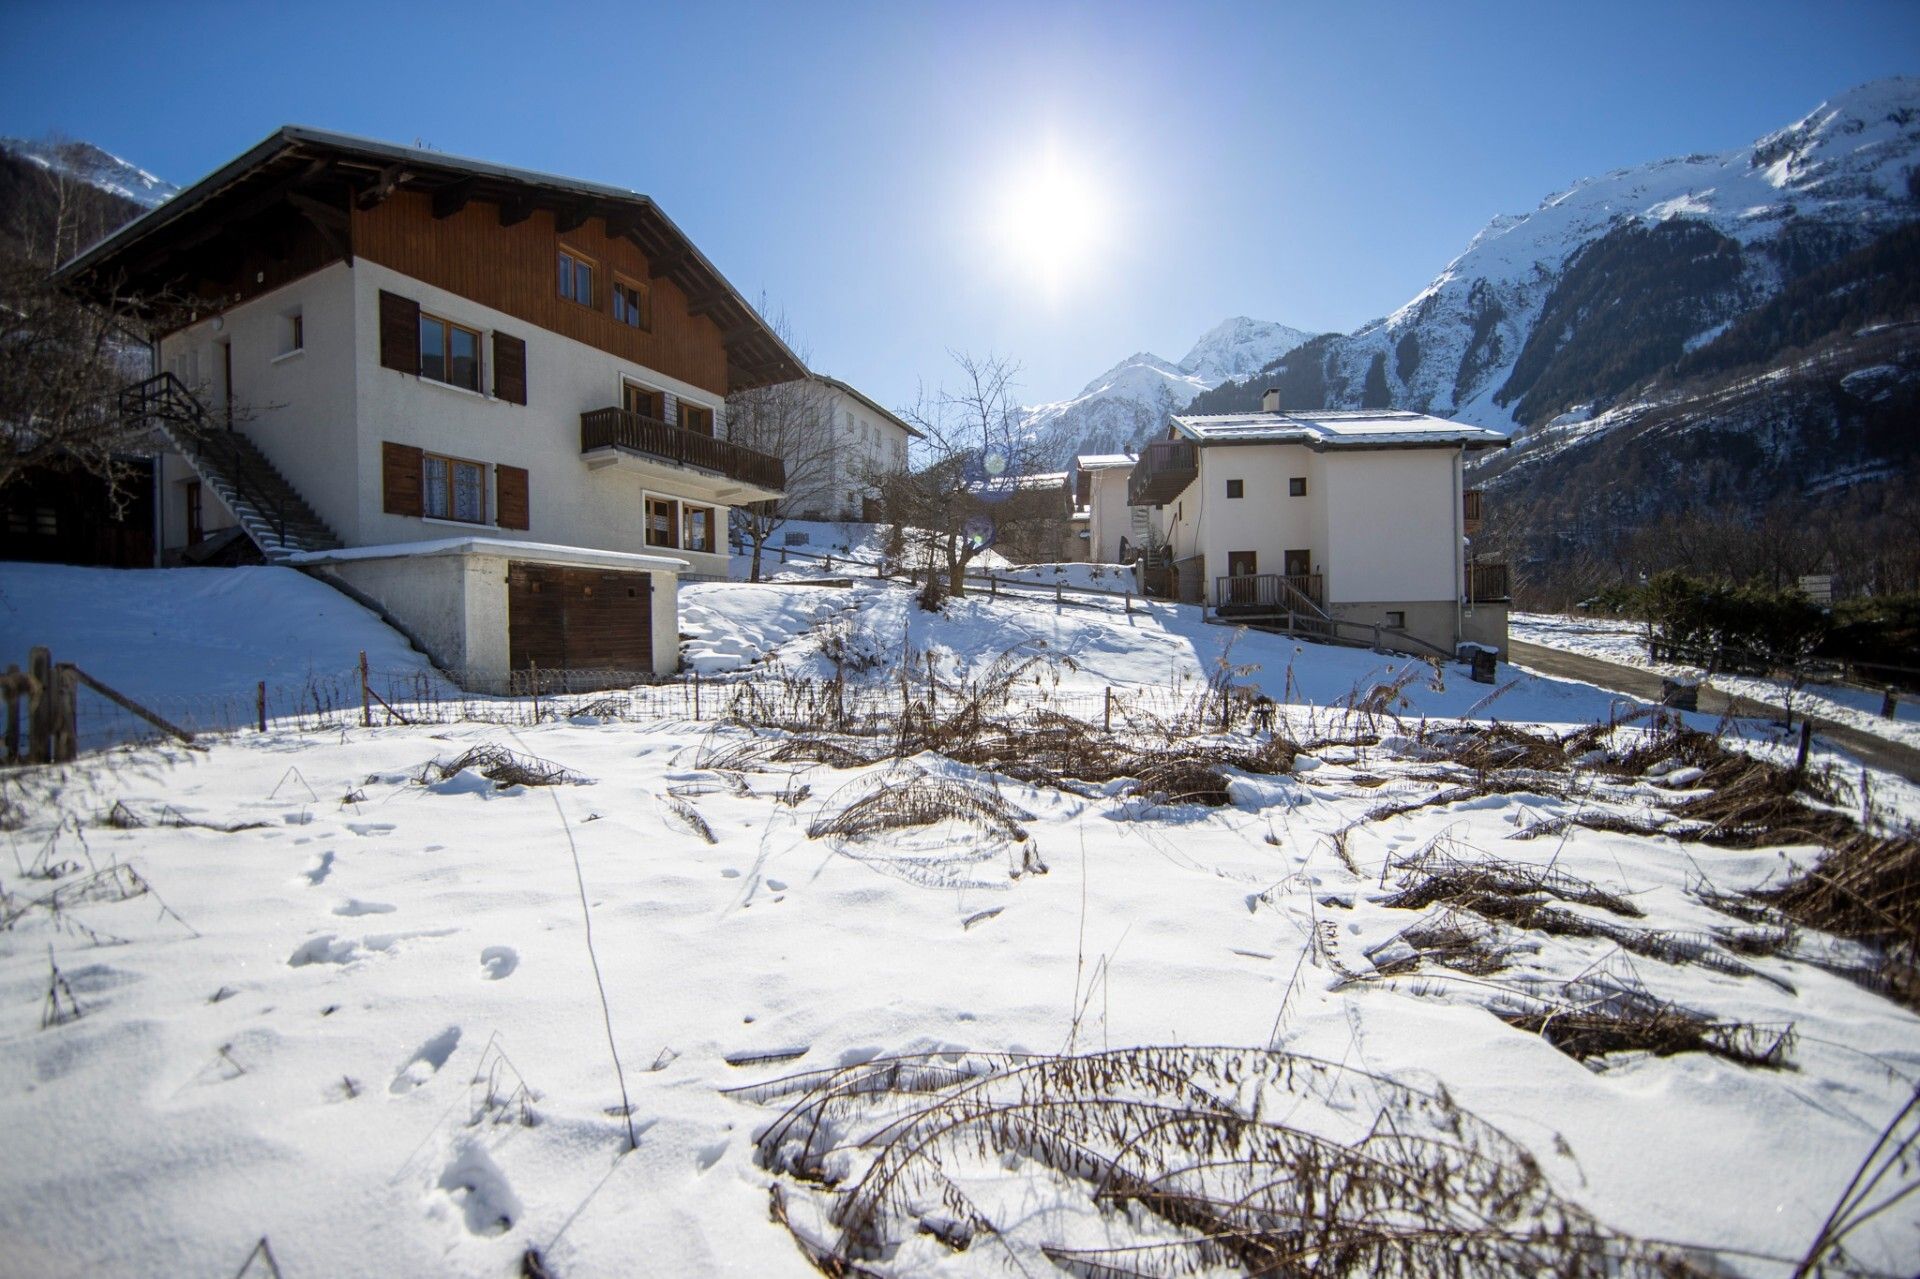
<point>1270,400</point>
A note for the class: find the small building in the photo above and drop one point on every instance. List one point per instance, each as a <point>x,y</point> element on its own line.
<point>488,402</point>
<point>1350,525</point>
<point>1115,531</point>
<point>866,442</point>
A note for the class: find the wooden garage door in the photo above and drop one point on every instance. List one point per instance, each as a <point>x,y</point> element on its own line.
<point>590,624</point>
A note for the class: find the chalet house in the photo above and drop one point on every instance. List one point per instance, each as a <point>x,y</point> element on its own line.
<point>1345,524</point>
<point>1115,531</point>
<point>866,441</point>
<point>486,401</point>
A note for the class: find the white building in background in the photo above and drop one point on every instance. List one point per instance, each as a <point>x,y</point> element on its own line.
<point>1348,524</point>
<point>866,440</point>
<point>1115,531</point>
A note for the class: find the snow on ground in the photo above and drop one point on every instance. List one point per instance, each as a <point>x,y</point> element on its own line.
<point>1075,575</point>
<point>1617,640</point>
<point>365,1024</point>
<point>193,643</point>
<point>353,963</point>
<point>856,550</point>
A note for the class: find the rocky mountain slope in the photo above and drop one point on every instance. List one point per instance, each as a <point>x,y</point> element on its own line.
<point>1571,307</point>
<point>1131,401</point>
<point>85,162</point>
<point>58,197</point>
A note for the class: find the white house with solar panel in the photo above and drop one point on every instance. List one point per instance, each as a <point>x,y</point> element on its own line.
<point>1343,524</point>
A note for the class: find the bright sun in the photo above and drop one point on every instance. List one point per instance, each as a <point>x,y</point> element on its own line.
<point>1053,221</point>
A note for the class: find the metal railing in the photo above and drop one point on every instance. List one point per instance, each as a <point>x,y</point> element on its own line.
<point>623,429</point>
<point>166,398</point>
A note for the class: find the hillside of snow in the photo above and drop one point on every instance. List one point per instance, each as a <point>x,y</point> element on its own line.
<point>1131,401</point>
<point>331,993</point>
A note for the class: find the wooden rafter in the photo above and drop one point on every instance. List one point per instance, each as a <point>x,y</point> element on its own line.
<point>452,198</point>
<point>383,186</point>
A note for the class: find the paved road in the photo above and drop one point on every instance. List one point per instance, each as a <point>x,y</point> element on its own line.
<point>1644,684</point>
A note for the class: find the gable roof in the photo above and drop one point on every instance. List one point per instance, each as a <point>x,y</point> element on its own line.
<point>871,403</point>
<point>296,163</point>
<point>1104,461</point>
<point>1323,429</point>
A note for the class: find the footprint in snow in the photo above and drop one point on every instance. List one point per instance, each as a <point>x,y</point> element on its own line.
<point>425,1062</point>
<point>498,961</point>
<point>475,1183</point>
<point>354,906</point>
<point>777,885</point>
<point>317,873</point>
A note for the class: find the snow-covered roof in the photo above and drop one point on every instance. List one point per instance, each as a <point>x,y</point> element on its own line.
<point>1104,461</point>
<point>540,552</point>
<point>1336,429</point>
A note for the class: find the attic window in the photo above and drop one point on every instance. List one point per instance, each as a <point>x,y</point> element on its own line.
<point>1236,488</point>
<point>1297,486</point>
<point>632,305</point>
<point>576,278</point>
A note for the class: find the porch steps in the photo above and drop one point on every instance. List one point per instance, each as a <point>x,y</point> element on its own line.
<point>268,508</point>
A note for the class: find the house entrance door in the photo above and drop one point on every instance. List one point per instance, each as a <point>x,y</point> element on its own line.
<point>1299,563</point>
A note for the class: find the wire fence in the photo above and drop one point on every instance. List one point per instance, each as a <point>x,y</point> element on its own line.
<point>873,703</point>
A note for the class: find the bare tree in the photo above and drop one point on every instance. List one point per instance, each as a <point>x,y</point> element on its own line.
<point>974,447</point>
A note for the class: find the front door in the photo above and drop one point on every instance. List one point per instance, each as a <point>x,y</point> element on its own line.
<point>1299,563</point>
<point>1241,566</point>
<point>194,529</point>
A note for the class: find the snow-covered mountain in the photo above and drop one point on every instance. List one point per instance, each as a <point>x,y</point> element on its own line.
<point>1131,400</point>
<point>1611,280</point>
<point>87,163</point>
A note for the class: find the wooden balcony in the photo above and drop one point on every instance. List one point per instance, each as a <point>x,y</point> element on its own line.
<point>1266,593</point>
<point>632,433</point>
<point>1470,511</point>
<point>1487,583</point>
<point>1165,468</point>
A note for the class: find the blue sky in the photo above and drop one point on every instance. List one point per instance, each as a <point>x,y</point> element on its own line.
<point>872,168</point>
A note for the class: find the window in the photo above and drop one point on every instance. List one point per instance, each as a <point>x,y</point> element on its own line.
<point>643,400</point>
<point>663,518</point>
<point>698,522</point>
<point>1236,488</point>
<point>1297,486</point>
<point>293,333</point>
<point>695,417</point>
<point>454,489</point>
<point>449,353</point>
<point>632,304</point>
<point>576,278</point>
<point>1397,619</point>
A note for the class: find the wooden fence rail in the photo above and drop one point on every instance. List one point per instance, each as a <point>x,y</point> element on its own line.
<point>51,691</point>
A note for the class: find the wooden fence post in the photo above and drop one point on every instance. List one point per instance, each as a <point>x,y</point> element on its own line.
<point>40,695</point>
<point>1059,596</point>
<point>366,701</point>
<point>260,705</point>
<point>1806,744</point>
<point>696,696</point>
<point>13,714</point>
<point>1889,703</point>
<point>1108,717</point>
<point>66,716</point>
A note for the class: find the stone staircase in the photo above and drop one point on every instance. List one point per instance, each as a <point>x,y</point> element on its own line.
<point>268,508</point>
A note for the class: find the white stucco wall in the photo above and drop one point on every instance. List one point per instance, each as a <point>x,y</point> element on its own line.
<point>862,443</point>
<point>568,503</point>
<point>1265,520</point>
<point>1109,516</point>
<point>1392,525</point>
<point>297,407</point>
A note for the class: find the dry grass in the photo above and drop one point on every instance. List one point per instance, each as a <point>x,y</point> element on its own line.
<point>1602,1014</point>
<point>1197,1160</point>
<point>507,768</point>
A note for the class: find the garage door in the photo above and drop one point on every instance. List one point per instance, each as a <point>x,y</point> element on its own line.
<point>579,627</point>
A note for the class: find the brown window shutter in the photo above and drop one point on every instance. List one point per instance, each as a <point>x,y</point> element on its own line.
<point>510,369</point>
<point>400,480</point>
<point>399,333</point>
<point>510,496</point>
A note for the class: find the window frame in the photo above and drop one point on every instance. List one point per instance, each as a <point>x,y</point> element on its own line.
<point>453,463</point>
<point>713,527</point>
<point>643,315</point>
<point>673,524</point>
<point>683,407</point>
<point>578,260</point>
<point>448,328</point>
<point>659,394</point>
<point>1296,486</point>
<point>1236,489</point>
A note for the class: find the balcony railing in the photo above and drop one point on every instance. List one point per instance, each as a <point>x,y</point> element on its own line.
<point>1470,511</point>
<point>1487,583</point>
<point>1164,469</point>
<point>621,429</point>
<point>1266,592</point>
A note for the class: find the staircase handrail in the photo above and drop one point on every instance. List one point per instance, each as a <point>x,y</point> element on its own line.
<point>166,397</point>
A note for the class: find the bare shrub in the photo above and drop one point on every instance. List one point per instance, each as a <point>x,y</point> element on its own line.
<point>1601,1014</point>
<point>507,768</point>
<point>1193,1158</point>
